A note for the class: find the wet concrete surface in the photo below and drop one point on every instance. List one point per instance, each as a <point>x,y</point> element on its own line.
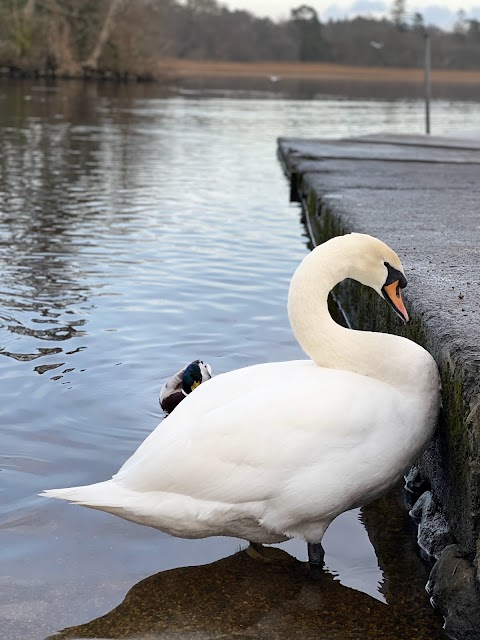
<point>420,195</point>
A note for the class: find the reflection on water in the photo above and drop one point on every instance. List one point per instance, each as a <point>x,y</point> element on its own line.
<point>238,596</point>
<point>290,88</point>
<point>139,231</point>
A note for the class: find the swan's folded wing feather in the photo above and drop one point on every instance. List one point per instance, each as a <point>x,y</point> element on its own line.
<point>246,449</point>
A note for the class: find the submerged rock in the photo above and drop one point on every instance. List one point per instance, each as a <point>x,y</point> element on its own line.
<point>433,531</point>
<point>453,590</point>
<point>415,483</point>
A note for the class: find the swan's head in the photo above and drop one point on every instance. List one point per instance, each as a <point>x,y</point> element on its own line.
<point>375,265</point>
<point>194,374</point>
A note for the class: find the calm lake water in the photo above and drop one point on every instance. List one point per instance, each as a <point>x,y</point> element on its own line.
<point>141,230</point>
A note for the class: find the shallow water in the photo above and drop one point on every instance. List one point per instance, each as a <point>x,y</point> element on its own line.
<point>141,230</point>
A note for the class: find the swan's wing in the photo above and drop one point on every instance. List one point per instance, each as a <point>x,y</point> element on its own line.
<point>271,428</point>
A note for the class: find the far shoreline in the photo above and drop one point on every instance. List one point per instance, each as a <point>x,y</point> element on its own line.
<point>277,71</point>
<point>173,70</point>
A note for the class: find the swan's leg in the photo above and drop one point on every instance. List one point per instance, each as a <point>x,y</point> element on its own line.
<point>255,551</point>
<point>316,557</point>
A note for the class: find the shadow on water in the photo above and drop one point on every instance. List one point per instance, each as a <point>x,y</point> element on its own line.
<point>238,596</point>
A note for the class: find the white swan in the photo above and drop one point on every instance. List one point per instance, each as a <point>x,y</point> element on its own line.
<point>278,450</point>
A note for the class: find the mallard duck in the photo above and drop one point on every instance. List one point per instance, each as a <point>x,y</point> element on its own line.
<point>278,450</point>
<point>182,383</point>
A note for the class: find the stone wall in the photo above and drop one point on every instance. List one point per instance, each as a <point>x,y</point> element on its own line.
<point>422,197</point>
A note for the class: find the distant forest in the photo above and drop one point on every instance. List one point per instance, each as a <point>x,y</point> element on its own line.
<point>132,38</point>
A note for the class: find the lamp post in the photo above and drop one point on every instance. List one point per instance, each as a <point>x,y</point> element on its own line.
<point>426,73</point>
<point>426,79</point>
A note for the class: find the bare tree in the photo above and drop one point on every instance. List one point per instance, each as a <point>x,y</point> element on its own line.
<point>418,23</point>
<point>92,61</point>
<point>460,28</point>
<point>308,30</point>
<point>28,9</point>
<point>399,14</point>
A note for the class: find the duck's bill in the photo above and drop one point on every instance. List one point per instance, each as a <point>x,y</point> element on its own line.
<point>393,295</point>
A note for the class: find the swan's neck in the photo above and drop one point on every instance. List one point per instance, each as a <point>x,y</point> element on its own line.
<point>385,357</point>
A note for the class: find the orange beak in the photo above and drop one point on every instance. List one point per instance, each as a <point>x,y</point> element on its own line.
<point>394,296</point>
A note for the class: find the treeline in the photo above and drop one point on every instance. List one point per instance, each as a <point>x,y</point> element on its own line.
<point>132,38</point>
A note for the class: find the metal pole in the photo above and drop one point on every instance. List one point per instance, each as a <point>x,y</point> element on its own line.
<point>428,63</point>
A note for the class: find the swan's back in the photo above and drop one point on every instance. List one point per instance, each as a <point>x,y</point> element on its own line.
<point>301,419</point>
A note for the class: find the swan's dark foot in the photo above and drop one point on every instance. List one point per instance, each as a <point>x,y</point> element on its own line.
<point>316,559</point>
<point>267,554</point>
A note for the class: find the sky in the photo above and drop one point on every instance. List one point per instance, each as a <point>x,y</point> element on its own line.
<point>439,12</point>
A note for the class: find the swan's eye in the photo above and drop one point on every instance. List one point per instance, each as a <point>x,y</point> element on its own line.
<point>393,275</point>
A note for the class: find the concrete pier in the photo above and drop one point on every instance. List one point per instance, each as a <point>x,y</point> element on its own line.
<point>421,195</point>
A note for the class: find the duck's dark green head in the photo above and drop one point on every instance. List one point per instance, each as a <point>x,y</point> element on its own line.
<point>192,377</point>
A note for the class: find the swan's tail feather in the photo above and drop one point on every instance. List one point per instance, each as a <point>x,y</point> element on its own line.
<point>178,515</point>
<point>161,510</point>
<point>103,495</point>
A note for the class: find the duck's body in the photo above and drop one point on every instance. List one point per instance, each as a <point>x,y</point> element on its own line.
<point>182,383</point>
<point>279,450</point>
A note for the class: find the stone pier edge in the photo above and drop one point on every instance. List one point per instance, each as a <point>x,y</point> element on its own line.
<point>454,583</point>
